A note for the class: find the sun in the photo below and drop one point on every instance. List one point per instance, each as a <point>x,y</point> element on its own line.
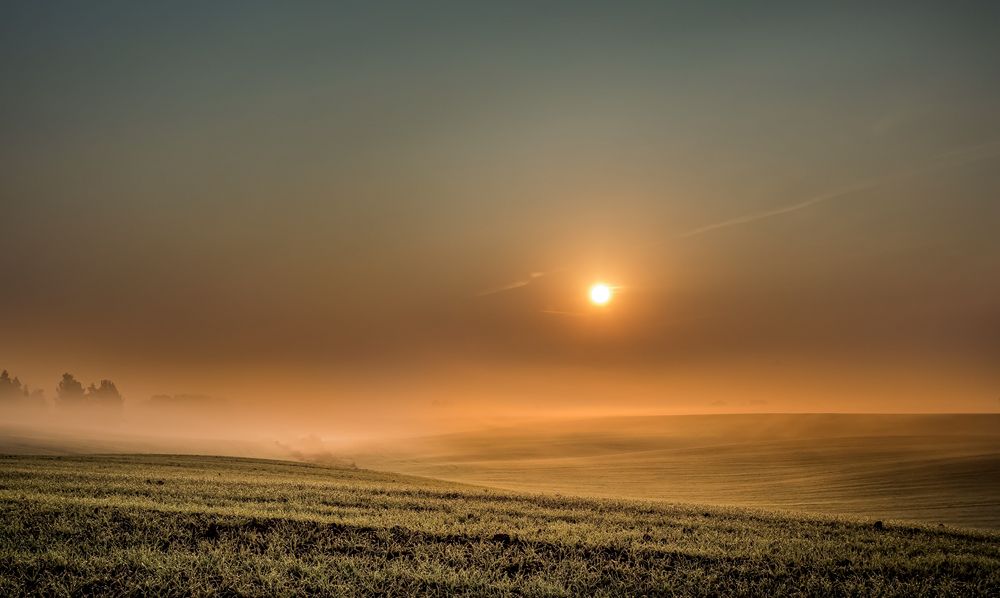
<point>600,293</point>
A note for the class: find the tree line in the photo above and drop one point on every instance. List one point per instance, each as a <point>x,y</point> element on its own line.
<point>70,393</point>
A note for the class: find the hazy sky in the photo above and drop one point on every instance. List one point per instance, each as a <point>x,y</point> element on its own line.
<point>800,203</point>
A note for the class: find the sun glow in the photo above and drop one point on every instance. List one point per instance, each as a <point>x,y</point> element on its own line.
<point>600,294</point>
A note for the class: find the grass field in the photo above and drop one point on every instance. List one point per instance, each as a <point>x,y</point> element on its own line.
<point>172,525</point>
<point>927,468</point>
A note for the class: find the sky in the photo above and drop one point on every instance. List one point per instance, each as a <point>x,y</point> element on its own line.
<point>383,213</point>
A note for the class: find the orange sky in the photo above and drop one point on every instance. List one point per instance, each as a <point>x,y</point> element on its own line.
<point>384,215</point>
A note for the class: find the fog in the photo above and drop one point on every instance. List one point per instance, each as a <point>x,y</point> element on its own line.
<point>299,231</point>
<point>359,415</point>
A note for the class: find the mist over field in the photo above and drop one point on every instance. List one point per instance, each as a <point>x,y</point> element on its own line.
<point>572,298</point>
<point>946,466</point>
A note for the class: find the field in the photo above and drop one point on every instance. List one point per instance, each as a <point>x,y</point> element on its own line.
<point>185,525</point>
<point>927,468</point>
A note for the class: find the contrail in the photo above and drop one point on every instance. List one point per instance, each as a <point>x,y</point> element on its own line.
<point>514,285</point>
<point>507,287</point>
<point>557,312</point>
<point>951,158</point>
<point>746,219</point>
<point>947,159</point>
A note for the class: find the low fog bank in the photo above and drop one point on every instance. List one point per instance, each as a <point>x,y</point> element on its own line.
<point>947,466</point>
<point>405,426</point>
<point>185,425</point>
<point>97,419</point>
<point>202,424</point>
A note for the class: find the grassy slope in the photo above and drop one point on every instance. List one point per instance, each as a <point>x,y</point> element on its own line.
<point>199,525</point>
<point>933,468</point>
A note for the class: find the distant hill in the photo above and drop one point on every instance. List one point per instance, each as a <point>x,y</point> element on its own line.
<point>931,468</point>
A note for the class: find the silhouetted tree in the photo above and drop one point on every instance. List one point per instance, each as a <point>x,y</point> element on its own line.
<point>10,389</point>
<point>15,394</point>
<point>104,395</point>
<point>70,392</point>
